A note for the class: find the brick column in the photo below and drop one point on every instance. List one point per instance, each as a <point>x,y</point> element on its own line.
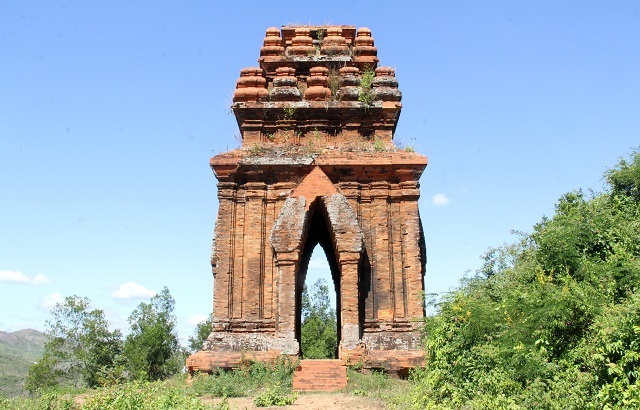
<point>254,241</point>
<point>269,258</point>
<point>349,299</point>
<point>222,252</point>
<point>381,279</point>
<point>413,263</point>
<point>285,240</point>
<point>237,254</point>
<point>364,214</point>
<point>396,243</point>
<point>286,295</point>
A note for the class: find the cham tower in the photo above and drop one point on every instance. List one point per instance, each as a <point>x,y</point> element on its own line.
<point>317,165</point>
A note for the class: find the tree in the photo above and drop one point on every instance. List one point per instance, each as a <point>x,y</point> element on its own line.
<point>551,321</point>
<point>80,345</point>
<point>44,374</point>
<point>624,178</point>
<point>319,330</point>
<point>200,334</point>
<point>152,348</point>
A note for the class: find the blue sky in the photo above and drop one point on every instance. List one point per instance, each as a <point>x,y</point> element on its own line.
<point>109,112</point>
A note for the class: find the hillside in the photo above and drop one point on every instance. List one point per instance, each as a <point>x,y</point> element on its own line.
<point>18,351</point>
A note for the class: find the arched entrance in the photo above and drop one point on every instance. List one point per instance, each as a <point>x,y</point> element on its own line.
<point>317,236</point>
<point>328,221</point>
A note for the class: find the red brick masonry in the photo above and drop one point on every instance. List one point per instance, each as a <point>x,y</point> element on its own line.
<point>318,165</point>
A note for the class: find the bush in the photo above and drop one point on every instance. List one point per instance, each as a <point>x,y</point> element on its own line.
<point>247,380</point>
<point>550,322</point>
<point>274,396</point>
<point>48,401</point>
<point>377,385</point>
<point>143,396</point>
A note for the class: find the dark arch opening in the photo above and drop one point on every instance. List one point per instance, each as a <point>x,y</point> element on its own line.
<point>317,233</point>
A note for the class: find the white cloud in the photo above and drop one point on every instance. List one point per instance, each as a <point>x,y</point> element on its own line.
<point>318,260</point>
<point>132,290</point>
<point>9,276</point>
<point>196,319</point>
<point>50,301</point>
<point>115,318</point>
<point>440,200</point>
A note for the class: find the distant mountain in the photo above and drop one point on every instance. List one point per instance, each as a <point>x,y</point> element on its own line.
<point>18,351</point>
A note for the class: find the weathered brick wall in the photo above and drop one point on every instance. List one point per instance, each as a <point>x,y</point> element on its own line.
<point>316,140</point>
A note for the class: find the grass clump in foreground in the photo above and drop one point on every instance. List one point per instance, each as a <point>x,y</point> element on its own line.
<point>47,401</point>
<point>377,385</point>
<point>128,396</point>
<point>143,396</point>
<point>248,380</point>
<point>274,396</point>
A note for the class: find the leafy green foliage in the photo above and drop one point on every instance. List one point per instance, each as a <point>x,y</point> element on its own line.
<point>47,401</point>
<point>365,91</point>
<point>247,380</point>
<point>379,145</point>
<point>18,351</point>
<point>200,334</point>
<point>80,344</point>
<point>223,405</point>
<point>143,396</point>
<point>44,374</point>
<point>551,321</point>
<point>377,385</point>
<point>333,83</point>
<point>81,351</point>
<point>152,349</point>
<point>319,329</point>
<point>274,396</point>
<point>139,395</point>
<point>624,178</point>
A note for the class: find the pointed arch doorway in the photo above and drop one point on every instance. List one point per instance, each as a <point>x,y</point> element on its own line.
<point>324,325</point>
<point>328,220</point>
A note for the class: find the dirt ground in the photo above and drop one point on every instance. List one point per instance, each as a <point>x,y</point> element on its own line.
<point>310,401</point>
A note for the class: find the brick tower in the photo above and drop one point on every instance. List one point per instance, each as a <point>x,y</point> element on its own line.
<point>317,166</point>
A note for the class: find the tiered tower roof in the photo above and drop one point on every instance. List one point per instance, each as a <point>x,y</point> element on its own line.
<point>317,94</point>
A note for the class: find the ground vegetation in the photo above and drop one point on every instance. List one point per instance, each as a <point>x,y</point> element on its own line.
<point>551,321</point>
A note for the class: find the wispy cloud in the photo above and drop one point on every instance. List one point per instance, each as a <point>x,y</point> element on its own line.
<point>132,290</point>
<point>196,319</point>
<point>318,259</point>
<point>9,276</point>
<point>440,200</point>
<point>50,301</point>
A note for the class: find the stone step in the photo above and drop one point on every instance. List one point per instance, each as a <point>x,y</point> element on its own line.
<point>320,375</point>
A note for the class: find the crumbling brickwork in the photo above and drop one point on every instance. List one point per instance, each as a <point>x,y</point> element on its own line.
<point>317,165</point>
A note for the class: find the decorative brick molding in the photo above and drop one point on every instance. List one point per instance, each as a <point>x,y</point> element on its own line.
<point>317,165</point>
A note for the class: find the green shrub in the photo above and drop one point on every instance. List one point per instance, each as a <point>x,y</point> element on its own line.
<point>223,405</point>
<point>365,91</point>
<point>550,322</point>
<point>377,385</point>
<point>47,401</point>
<point>274,396</point>
<point>247,380</point>
<point>143,396</point>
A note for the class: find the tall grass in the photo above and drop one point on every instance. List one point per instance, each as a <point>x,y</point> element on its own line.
<point>377,385</point>
<point>248,380</point>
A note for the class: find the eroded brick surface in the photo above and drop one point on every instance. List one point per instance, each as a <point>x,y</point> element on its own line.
<point>320,375</point>
<point>317,165</point>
